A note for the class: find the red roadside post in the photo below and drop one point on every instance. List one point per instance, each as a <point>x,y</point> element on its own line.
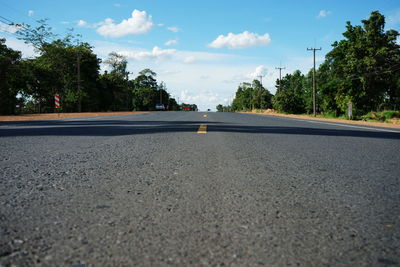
<point>57,103</point>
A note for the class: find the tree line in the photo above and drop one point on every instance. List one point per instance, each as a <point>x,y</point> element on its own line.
<point>68,67</point>
<point>249,96</point>
<point>363,68</point>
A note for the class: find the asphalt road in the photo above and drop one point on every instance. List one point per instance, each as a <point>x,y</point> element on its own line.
<point>149,190</point>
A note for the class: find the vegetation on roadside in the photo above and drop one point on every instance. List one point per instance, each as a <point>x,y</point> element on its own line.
<point>363,68</point>
<point>383,116</point>
<point>249,96</point>
<point>68,67</point>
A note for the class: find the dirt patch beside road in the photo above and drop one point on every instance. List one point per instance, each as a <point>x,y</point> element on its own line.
<point>52,116</point>
<point>393,124</point>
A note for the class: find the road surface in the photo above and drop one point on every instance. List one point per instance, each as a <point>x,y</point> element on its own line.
<point>192,188</point>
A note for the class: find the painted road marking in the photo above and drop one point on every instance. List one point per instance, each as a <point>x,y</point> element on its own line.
<point>205,115</point>
<point>202,129</point>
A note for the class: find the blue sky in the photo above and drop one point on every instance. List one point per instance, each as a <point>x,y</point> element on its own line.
<point>204,49</point>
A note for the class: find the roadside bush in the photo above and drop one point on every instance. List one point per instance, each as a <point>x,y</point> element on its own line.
<point>381,116</point>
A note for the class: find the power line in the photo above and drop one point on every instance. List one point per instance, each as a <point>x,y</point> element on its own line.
<point>17,11</point>
<point>6,30</point>
<point>8,21</point>
<point>19,26</point>
<point>12,23</point>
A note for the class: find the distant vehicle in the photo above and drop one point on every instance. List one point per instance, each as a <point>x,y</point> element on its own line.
<point>208,109</point>
<point>160,107</point>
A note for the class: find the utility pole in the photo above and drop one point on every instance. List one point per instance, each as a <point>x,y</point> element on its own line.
<point>280,75</point>
<point>314,105</point>
<point>260,76</point>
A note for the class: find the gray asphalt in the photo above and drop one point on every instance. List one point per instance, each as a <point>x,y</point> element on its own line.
<point>148,190</point>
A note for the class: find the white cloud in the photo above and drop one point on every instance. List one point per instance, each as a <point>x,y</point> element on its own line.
<point>250,73</point>
<point>8,28</point>
<point>82,23</point>
<point>241,40</point>
<point>204,96</point>
<point>156,54</point>
<point>189,59</point>
<point>204,57</point>
<point>64,22</point>
<point>201,82</point>
<point>169,72</point>
<point>27,50</point>
<point>138,23</point>
<point>102,49</point>
<point>30,13</point>
<point>173,29</point>
<point>259,71</point>
<point>171,42</point>
<point>323,14</point>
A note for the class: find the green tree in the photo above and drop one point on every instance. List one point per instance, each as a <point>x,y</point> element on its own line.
<point>116,89</point>
<point>9,78</point>
<point>39,36</point>
<point>290,96</point>
<point>55,70</point>
<point>118,65</point>
<point>328,86</point>
<point>147,93</point>
<point>363,65</point>
<point>262,98</point>
<point>162,92</point>
<point>172,104</point>
<point>250,96</point>
<point>243,98</point>
<point>146,79</point>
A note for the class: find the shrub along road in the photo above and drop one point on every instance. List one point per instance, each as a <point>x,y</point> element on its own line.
<point>154,189</point>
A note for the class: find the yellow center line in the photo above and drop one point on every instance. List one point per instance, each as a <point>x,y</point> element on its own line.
<point>202,129</point>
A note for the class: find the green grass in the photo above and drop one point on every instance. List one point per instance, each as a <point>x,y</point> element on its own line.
<point>374,116</point>
<point>381,116</point>
<point>328,116</point>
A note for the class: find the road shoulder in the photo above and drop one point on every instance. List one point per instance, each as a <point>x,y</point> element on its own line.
<point>304,117</point>
<point>54,116</point>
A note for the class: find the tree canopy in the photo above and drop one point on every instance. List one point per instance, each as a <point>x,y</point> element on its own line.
<point>251,96</point>
<point>68,67</point>
<point>363,68</point>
